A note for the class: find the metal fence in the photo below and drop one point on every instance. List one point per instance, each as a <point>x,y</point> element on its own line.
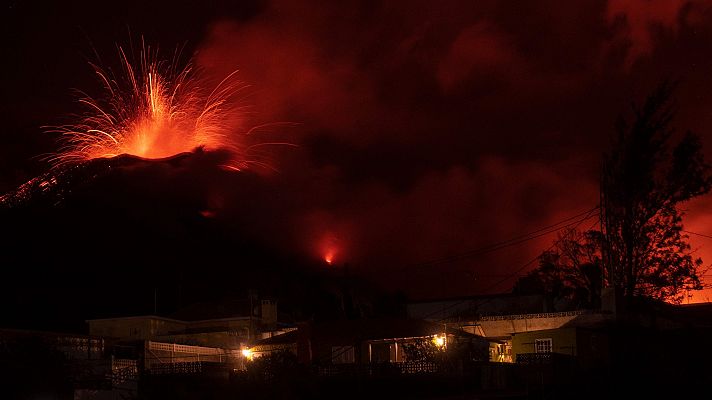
<point>123,370</point>
<point>557,359</point>
<point>412,367</point>
<point>179,368</point>
<point>535,358</point>
<point>417,367</point>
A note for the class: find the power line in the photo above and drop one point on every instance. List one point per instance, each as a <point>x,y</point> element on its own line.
<point>509,242</point>
<point>516,273</point>
<point>509,276</point>
<point>528,263</point>
<point>698,234</point>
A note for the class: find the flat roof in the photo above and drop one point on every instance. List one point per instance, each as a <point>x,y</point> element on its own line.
<point>136,317</point>
<point>167,319</point>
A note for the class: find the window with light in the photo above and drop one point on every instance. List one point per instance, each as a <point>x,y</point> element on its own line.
<point>543,345</point>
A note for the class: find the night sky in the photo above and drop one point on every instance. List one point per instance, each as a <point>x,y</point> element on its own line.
<point>423,129</point>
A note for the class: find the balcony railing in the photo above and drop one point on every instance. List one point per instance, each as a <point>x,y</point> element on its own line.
<point>533,316</point>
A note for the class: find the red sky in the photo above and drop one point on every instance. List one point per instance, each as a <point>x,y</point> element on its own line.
<point>424,129</point>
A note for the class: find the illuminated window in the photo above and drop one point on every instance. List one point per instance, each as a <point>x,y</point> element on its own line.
<point>543,345</point>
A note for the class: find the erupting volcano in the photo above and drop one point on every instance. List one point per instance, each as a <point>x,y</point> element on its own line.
<point>155,110</point>
<point>151,109</point>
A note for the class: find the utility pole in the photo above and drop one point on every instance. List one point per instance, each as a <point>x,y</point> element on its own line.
<point>601,216</point>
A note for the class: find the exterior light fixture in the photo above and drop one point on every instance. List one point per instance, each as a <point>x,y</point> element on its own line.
<point>248,354</point>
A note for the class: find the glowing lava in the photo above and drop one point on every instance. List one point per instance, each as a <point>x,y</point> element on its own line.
<point>329,257</point>
<point>154,111</point>
<point>329,249</point>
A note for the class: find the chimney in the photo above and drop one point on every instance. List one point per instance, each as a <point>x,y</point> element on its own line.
<point>269,312</point>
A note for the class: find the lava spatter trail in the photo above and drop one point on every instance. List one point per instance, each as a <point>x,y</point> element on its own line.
<point>155,110</point>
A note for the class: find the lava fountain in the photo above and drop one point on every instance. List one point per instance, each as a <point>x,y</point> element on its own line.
<point>152,109</point>
<point>155,110</point>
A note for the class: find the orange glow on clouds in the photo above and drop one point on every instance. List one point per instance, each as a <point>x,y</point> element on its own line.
<point>699,220</point>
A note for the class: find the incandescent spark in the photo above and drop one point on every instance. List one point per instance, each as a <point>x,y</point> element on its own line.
<point>156,110</point>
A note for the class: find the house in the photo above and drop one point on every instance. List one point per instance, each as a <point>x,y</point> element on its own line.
<point>495,317</point>
<point>624,331</point>
<point>589,347</point>
<point>209,332</point>
<point>369,342</point>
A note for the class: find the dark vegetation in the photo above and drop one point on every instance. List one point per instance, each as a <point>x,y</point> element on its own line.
<point>647,177</point>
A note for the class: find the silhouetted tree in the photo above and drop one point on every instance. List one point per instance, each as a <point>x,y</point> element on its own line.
<point>643,183</point>
<point>422,350</point>
<point>570,270</point>
<point>277,365</point>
